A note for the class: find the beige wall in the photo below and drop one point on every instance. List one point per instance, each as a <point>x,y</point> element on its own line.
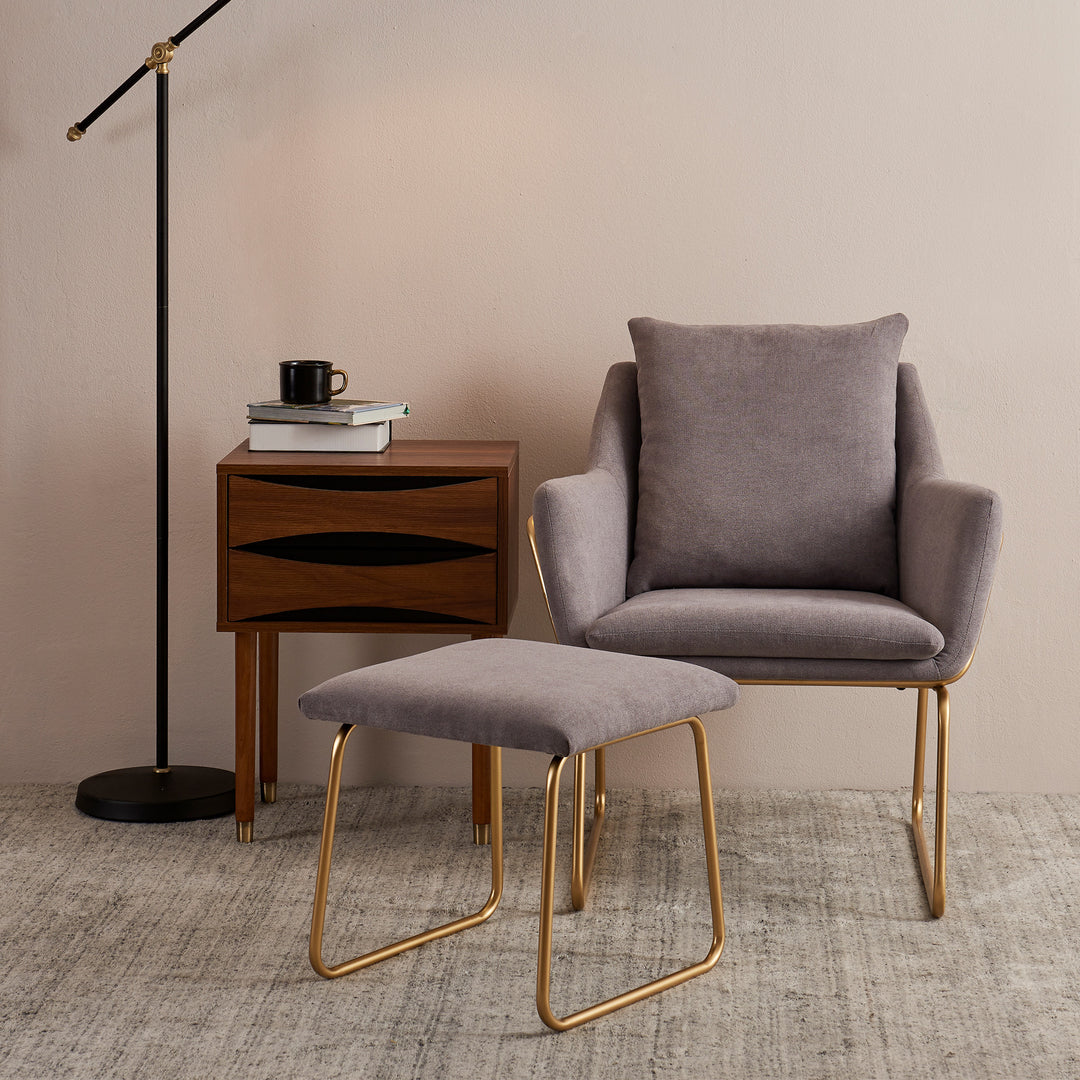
<point>462,202</point>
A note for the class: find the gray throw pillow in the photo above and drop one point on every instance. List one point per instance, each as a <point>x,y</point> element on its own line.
<point>767,456</point>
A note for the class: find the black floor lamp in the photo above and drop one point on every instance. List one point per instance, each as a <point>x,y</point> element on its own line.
<point>161,792</point>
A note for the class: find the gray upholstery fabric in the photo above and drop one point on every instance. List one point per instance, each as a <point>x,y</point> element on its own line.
<point>774,669</point>
<point>949,533</point>
<point>767,456</point>
<point>949,536</point>
<point>584,524</point>
<point>527,695</point>
<point>918,456</point>
<point>812,624</point>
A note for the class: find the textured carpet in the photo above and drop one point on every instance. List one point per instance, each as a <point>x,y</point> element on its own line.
<point>169,952</point>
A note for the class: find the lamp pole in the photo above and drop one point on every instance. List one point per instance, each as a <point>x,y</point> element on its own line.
<point>162,792</point>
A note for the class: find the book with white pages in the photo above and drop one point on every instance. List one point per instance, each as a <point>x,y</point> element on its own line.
<point>359,438</point>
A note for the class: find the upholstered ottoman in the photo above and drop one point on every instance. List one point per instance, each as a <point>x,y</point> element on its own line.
<point>527,695</point>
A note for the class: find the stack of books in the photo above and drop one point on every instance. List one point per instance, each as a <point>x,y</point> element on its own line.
<point>337,426</point>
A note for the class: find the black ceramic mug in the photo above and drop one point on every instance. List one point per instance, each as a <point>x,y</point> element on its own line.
<point>309,382</point>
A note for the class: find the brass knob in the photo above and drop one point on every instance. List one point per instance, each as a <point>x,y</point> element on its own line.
<point>160,55</point>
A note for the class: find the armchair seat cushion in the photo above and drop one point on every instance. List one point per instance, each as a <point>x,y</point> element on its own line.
<point>782,623</point>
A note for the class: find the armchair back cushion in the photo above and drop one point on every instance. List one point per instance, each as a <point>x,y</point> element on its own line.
<point>767,456</point>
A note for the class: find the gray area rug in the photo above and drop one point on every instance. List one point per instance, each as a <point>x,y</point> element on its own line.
<point>169,952</point>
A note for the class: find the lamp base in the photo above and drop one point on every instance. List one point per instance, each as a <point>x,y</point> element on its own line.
<point>181,793</point>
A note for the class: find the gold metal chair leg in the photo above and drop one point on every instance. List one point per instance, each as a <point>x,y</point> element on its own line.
<point>585,856</point>
<point>547,895</point>
<point>322,879</point>
<point>933,875</point>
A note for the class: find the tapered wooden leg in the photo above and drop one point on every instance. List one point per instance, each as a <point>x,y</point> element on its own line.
<point>268,716</point>
<point>481,786</point>
<point>245,735</point>
<point>481,781</point>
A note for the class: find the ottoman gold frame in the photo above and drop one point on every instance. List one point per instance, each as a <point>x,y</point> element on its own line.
<point>547,877</point>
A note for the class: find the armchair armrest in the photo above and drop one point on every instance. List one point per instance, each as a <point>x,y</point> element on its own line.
<point>584,524</point>
<point>949,536</point>
<point>583,528</point>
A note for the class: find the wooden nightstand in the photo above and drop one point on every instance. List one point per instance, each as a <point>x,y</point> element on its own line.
<point>421,538</point>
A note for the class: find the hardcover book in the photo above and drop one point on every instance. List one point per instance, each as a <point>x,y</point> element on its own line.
<point>334,412</point>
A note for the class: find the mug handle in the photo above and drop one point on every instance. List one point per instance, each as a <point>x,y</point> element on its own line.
<point>344,381</point>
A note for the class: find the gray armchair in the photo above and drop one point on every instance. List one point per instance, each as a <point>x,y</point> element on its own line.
<point>770,502</point>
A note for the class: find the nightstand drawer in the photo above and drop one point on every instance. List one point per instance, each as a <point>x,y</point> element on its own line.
<point>268,508</point>
<point>263,588</point>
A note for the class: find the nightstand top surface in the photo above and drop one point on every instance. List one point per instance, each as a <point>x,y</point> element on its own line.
<point>481,456</point>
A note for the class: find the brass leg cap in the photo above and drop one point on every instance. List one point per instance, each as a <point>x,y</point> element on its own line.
<point>244,831</point>
<point>269,791</point>
<point>481,835</point>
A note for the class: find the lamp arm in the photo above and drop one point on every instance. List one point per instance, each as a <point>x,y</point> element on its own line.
<point>158,60</point>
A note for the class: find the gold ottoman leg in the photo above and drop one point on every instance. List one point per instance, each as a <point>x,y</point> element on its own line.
<point>547,894</point>
<point>322,877</point>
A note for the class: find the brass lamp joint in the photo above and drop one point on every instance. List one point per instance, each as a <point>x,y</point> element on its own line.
<point>160,55</point>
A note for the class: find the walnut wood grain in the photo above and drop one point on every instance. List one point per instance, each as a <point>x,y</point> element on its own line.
<point>245,726</point>
<point>268,709</point>
<point>460,588</point>
<point>404,457</point>
<point>466,512</point>
<point>481,588</point>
